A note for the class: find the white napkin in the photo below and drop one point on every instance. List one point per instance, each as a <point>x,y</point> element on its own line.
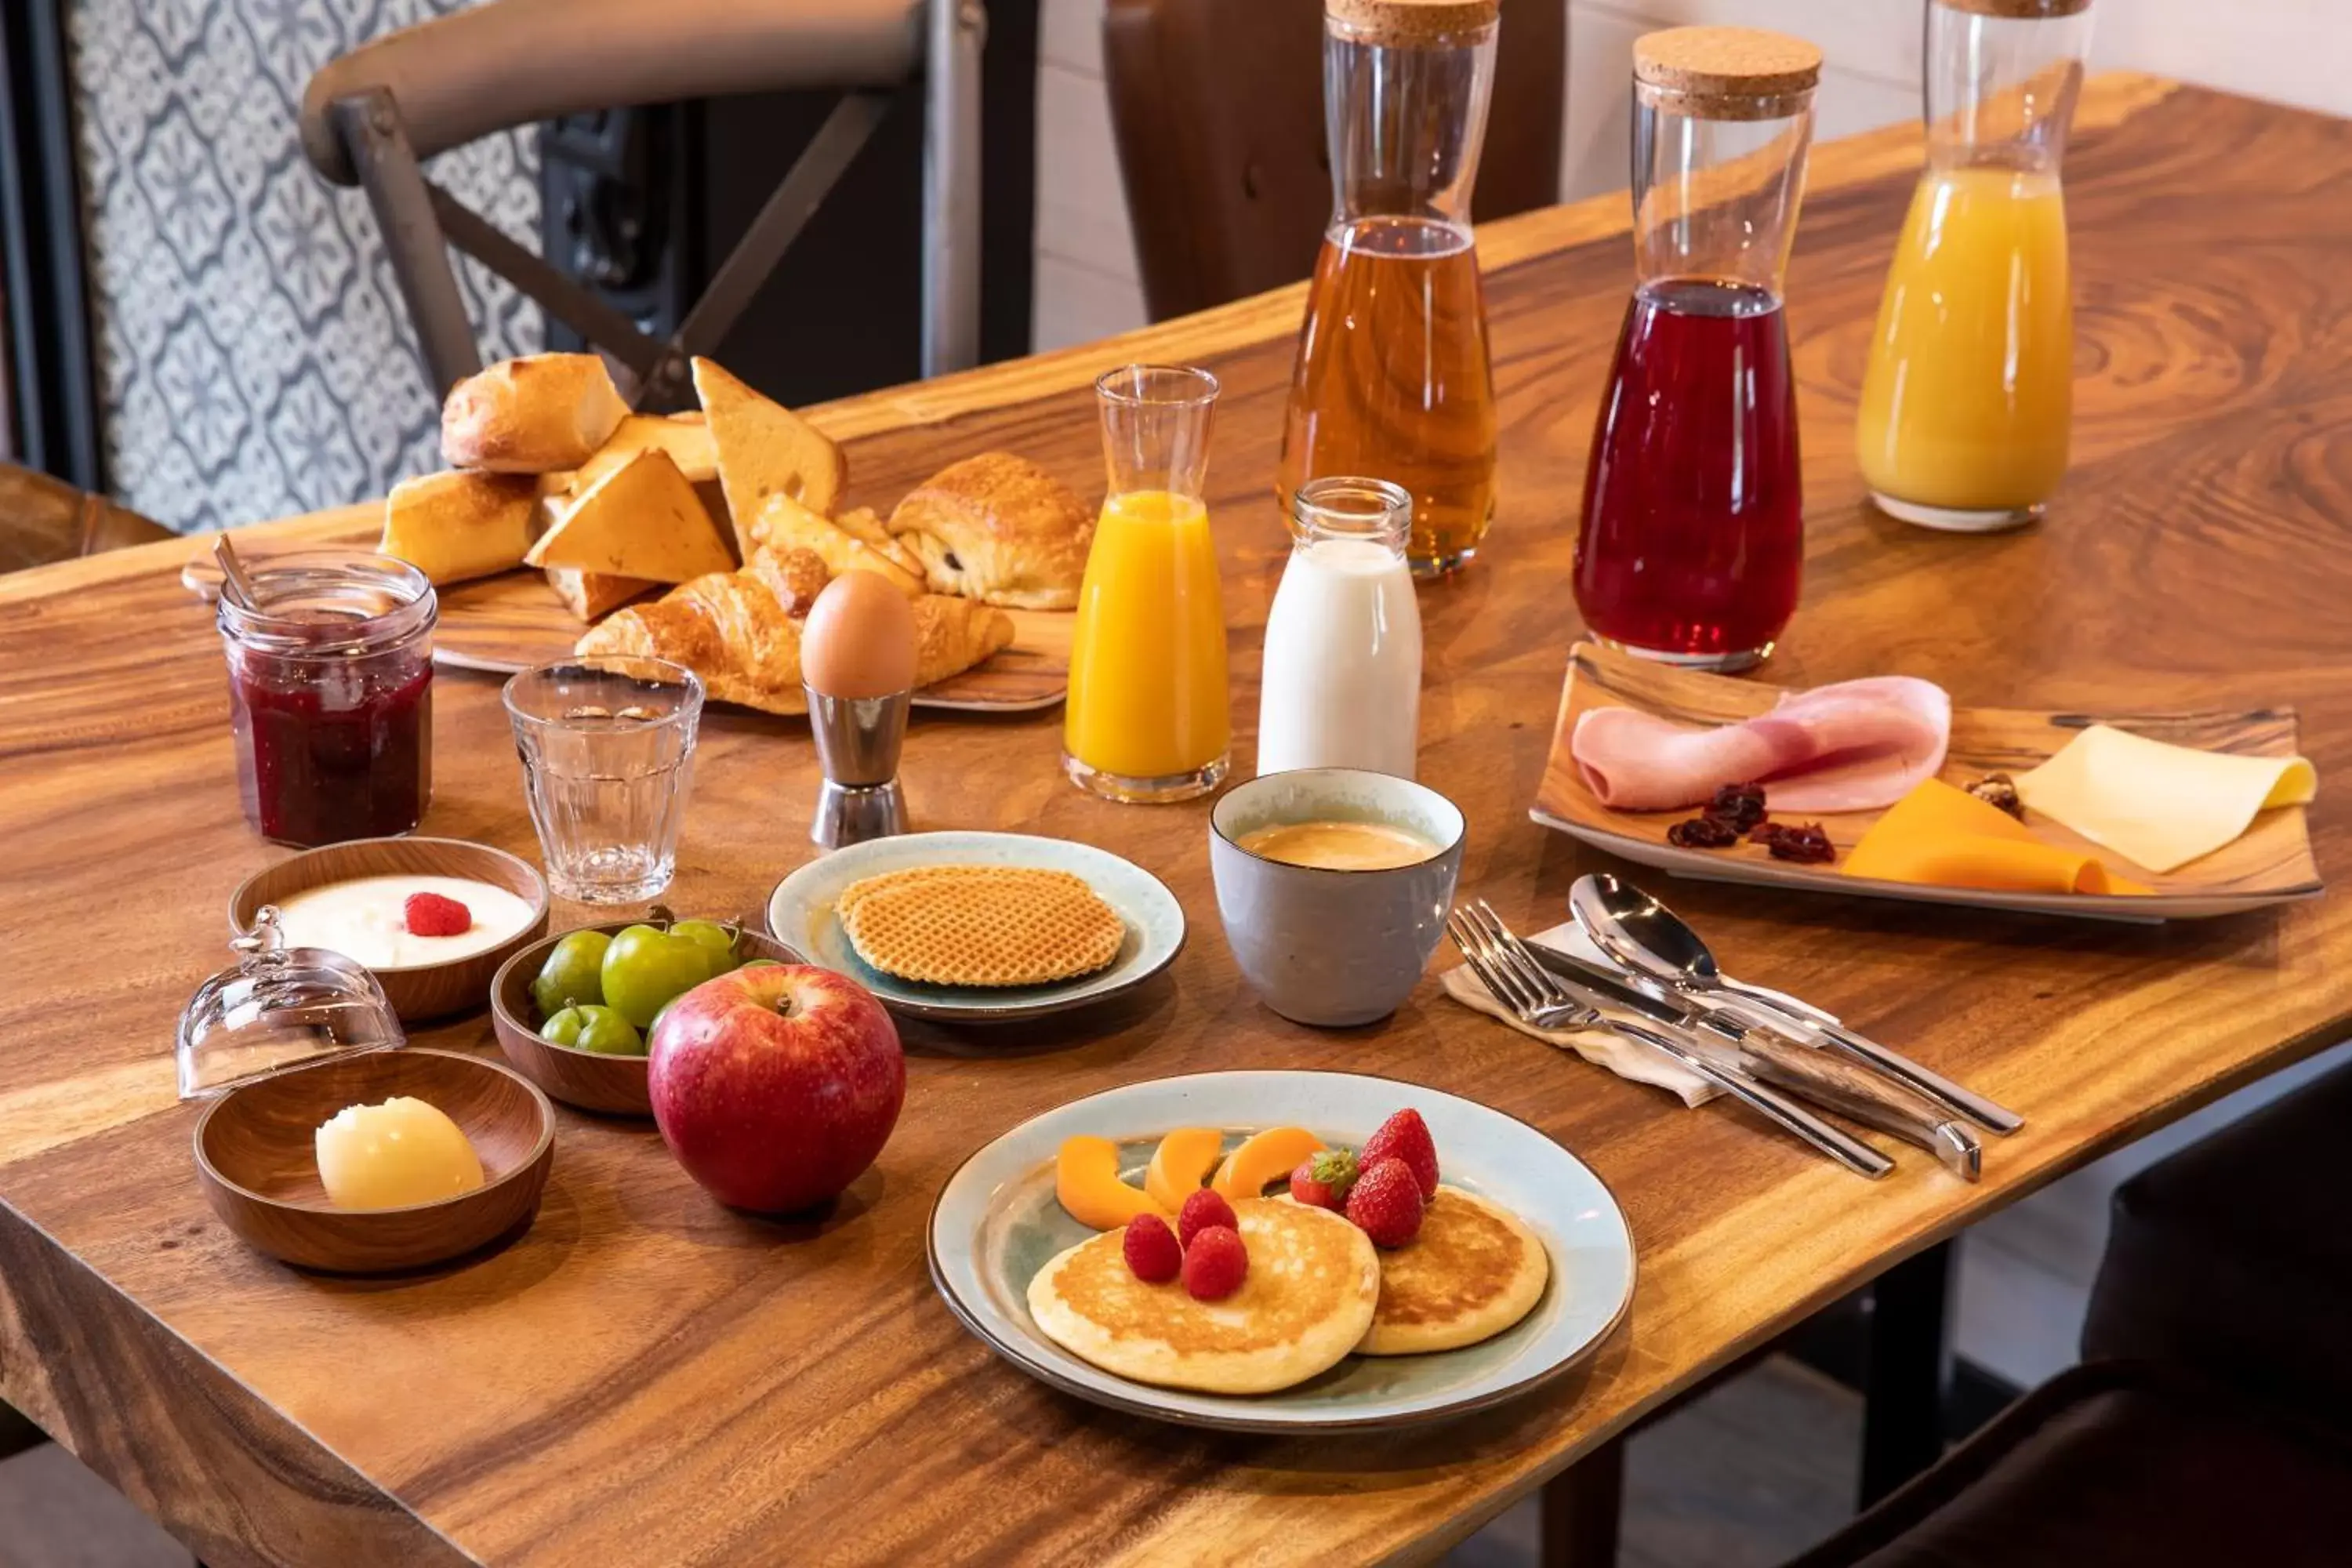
<point>1626,1058</point>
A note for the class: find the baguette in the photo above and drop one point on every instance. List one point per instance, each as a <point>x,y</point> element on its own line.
<point>456,525</point>
<point>530,416</point>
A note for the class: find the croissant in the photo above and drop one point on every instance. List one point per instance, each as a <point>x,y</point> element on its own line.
<point>738,631</point>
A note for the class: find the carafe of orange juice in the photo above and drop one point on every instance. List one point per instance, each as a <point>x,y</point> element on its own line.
<point>1967,398</point>
<point>1147,716</point>
<point>1391,379</point>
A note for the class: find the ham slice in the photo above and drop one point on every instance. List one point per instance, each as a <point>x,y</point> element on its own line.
<point>1858,745</point>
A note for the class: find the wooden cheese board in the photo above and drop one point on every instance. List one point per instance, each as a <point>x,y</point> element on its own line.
<point>512,621</point>
<point>2271,862</point>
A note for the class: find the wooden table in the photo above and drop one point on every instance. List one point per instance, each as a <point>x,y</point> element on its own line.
<point>646,1378</point>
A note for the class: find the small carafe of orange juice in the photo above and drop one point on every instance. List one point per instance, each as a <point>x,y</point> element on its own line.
<point>1392,378</point>
<point>1148,715</point>
<point>1966,402</point>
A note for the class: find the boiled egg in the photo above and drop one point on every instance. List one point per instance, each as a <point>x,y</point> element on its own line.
<point>391,1155</point>
<point>860,639</point>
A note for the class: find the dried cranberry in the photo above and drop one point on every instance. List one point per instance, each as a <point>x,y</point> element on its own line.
<point>1740,805</point>
<point>1702,833</point>
<point>1807,845</point>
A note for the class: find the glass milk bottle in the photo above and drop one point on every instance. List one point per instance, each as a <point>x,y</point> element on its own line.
<point>1968,399</point>
<point>1147,716</point>
<point>1391,376</point>
<point>1342,682</point>
<point>1692,535</point>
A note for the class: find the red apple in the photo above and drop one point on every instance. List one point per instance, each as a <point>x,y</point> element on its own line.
<point>776,1086</point>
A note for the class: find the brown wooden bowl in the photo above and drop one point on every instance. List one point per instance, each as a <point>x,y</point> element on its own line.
<point>418,990</point>
<point>258,1162</point>
<point>613,1085</point>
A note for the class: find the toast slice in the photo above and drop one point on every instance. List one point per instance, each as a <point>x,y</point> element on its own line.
<point>783,525</point>
<point>458,524</point>
<point>765,449</point>
<point>593,595</point>
<point>530,416</point>
<point>642,519</point>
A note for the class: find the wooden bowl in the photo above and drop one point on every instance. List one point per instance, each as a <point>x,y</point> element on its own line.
<point>258,1161</point>
<point>615,1085</point>
<point>416,991</point>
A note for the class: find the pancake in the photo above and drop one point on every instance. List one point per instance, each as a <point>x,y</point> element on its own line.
<point>1475,1269</point>
<point>1307,1301</point>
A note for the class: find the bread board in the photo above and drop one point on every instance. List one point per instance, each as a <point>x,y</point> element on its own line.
<point>2271,862</point>
<point>510,622</point>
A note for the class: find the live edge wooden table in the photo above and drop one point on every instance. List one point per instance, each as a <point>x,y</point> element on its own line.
<point>646,1378</point>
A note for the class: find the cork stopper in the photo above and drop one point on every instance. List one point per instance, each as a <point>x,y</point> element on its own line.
<point>1732,64</point>
<point>2025,8</point>
<point>1402,24</point>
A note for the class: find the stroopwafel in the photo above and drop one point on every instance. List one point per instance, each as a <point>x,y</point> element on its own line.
<point>980,925</point>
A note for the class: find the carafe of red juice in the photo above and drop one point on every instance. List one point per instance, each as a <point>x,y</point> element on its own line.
<point>1391,379</point>
<point>1693,536</point>
<point>1967,402</point>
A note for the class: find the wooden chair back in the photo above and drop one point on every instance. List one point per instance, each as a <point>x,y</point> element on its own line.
<point>44,519</point>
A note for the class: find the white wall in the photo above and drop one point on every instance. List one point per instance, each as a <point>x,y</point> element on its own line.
<point>2292,51</point>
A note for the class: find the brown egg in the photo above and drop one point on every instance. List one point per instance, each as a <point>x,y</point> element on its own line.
<point>860,639</point>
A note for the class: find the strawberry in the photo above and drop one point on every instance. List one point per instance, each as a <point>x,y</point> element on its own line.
<point>1152,1255</point>
<point>1202,1209</point>
<point>430,914</point>
<point>1215,1263</point>
<point>1322,1179</point>
<point>1404,1136</point>
<point>1386,1204</point>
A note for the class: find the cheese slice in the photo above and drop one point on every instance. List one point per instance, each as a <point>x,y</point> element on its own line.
<point>2157,804</point>
<point>642,519</point>
<point>1948,837</point>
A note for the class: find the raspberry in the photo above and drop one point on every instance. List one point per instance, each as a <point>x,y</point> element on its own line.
<point>1404,1136</point>
<point>1215,1263</point>
<point>1152,1255</point>
<point>430,914</point>
<point>1202,1209</point>
<point>1386,1204</point>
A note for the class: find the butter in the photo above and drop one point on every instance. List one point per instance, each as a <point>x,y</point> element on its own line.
<point>391,1155</point>
<point>2157,804</point>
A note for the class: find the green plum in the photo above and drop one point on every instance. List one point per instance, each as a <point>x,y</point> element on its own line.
<point>562,1027</point>
<point>608,1034</point>
<point>572,973</point>
<point>715,940</point>
<point>644,968</point>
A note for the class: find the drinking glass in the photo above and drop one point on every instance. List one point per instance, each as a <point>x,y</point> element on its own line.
<point>1148,717</point>
<point>607,751</point>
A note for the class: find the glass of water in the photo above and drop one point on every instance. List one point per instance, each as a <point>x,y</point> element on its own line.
<point>608,750</point>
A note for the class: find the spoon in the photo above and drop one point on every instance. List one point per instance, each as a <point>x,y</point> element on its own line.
<point>233,570</point>
<point>1642,934</point>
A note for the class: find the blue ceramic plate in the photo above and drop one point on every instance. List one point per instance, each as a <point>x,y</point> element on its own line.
<point>801,914</point>
<point>996,1222</point>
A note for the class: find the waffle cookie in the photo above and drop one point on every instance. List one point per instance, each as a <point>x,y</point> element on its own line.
<point>980,925</point>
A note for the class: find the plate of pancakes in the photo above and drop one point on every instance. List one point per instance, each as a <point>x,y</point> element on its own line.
<point>1522,1267</point>
<point>968,927</point>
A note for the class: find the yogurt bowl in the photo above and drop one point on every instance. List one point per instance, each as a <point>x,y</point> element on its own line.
<point>1329,945</point>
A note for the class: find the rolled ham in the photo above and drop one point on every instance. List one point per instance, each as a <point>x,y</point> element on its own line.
<point>1858,745</point>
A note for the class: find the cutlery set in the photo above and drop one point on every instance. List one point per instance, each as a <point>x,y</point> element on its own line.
<point>1773,1052</point>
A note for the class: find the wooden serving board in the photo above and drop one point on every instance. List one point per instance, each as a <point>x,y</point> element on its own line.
<point>2269,863</point>
<point>510,622</point>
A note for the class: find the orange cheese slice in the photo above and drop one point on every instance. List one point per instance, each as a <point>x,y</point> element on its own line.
<point>1943,835</point>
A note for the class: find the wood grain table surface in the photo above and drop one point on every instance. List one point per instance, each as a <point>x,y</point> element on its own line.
<point>646,1378</point>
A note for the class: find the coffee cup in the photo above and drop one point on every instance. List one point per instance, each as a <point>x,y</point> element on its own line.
<point>1333,943</point>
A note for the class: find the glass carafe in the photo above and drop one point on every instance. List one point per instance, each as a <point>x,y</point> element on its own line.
<point>1148,717</point>
<point>1693,536</point>
<point>1392,378</point>
<point>1968,401</point>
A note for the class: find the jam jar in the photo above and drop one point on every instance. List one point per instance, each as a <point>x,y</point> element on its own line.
<point>331,694</point>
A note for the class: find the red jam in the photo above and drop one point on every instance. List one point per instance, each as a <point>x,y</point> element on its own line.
<point>330,696</point>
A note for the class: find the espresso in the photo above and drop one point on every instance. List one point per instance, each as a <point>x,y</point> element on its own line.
<point>1339,846</point>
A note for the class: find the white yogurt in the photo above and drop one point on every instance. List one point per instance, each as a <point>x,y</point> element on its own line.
<point>364,920</point>
<point>1342,682</point>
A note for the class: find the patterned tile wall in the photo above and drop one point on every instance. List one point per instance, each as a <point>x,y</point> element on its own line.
<point>255,356</point>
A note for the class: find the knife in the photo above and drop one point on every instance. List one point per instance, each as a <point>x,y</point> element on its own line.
<point>1826,1079</point>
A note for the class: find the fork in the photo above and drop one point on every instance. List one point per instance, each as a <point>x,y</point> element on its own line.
<point>1514,978</point>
